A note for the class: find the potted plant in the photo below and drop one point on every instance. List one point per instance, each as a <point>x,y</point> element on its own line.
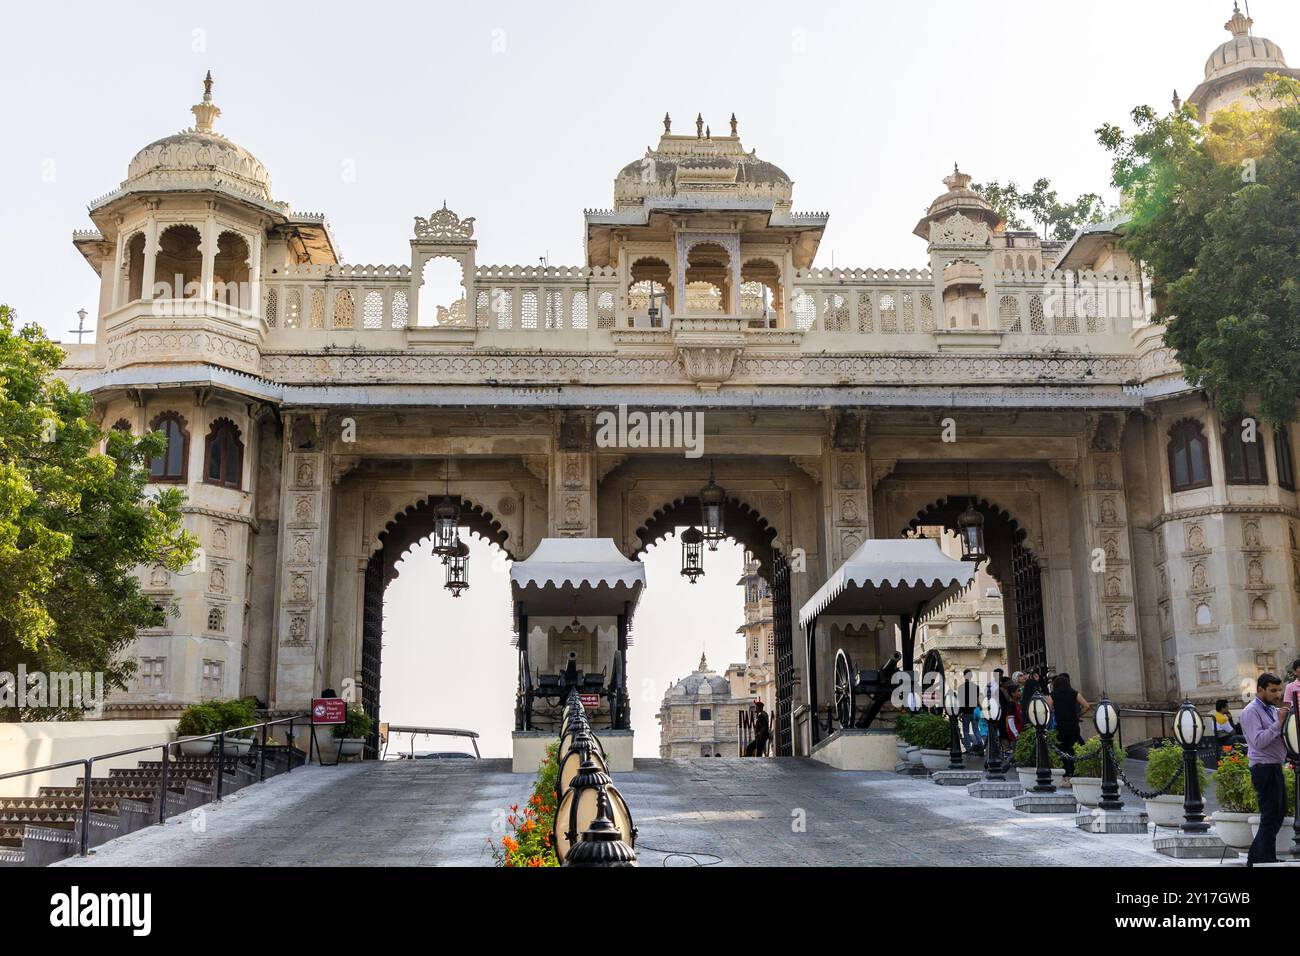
<point>237,713</point>
<point>195,721</point>
<point>930,733</point>
<point>911,729</point>
<point>1286,835</point>
<point>1237,800</point>
<point>1162,763</point>
<point>352,733</point>
<point>1086,781</point>
<point>900,730</point>
<point>1025,758</point>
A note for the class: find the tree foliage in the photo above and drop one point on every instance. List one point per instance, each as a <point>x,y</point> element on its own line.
<point>1215,219</point>
<point>75,522</point>
<point>1041,205</point>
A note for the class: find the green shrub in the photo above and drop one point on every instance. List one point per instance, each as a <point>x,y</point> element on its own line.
<point>530,840</point>
<point>1087,757</point>
<point>236,713</point>
<point>900,727</point>
<point>357,724</point>
<point>1232,784</point>
<point>1163,762</point>
<point>929,731</point>
<point>196,720</point>
<point>1025,753</point>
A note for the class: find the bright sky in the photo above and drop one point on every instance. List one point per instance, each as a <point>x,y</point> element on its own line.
<point>520,114</point>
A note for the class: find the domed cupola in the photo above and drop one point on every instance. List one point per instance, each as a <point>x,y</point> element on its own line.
<point>960,209</point>
<point>1237,65</point>
<point>199,158</point>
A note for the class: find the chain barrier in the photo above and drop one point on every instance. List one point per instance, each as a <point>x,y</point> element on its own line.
<point>1119,772</point>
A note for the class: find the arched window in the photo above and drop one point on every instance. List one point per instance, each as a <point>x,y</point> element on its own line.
<point>134,264</point>
<point>223,455</point>
<point>1189,457</point>
<point>1243,460</point>
<point>170,465</point>
<point>178,267</point>
<point>1282,454</point>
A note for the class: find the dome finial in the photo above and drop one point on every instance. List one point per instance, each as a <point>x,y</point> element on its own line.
<point>704,664</point>
<point>1240,24</point>
<point>1177,101</point>
<point>958,179</point>
<point>668,124</point>
<point>699,125</point>
<point>207,111</point>
<point>733,124</point>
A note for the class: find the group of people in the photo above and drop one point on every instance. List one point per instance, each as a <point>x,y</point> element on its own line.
<point>1066,708</point>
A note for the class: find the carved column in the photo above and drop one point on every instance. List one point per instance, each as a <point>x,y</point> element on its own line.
<point>846,490</point>
<point>572,477</point>
<point>301,624</point>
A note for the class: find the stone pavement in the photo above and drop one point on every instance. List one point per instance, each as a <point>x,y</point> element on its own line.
<point>787,812</point>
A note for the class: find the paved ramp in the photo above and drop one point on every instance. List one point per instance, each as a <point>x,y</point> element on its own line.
<point>779,812</point>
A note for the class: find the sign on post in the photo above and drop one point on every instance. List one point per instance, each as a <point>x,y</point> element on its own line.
<point>589,701</point>
<point>329,710</point>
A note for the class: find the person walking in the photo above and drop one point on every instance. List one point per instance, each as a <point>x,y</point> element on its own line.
<point>968,702</point>
<point>1261,723</point>
<point>1069,706</point>
<point>762,732</point>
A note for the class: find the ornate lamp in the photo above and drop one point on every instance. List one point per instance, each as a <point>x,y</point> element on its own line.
<point>970,528</point>
<point>692,554</point>
<point>1189,728</point>
<point>992,710</point>
<point>1039,715</point>
<point>712,498</point>
<point>1106,720</point>
<point>579,807</point>
<point>952,707</point>
<point>602,843</point>
<point>457,566</point>
<point>446,518</point>
<point>583,748</point>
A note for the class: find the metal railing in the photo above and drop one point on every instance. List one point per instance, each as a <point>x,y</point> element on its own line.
<point>88,763</point>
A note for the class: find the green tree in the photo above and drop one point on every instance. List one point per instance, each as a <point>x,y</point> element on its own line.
<point>1215,220</point>
<point>74,524</point>
<point>1041,205</point>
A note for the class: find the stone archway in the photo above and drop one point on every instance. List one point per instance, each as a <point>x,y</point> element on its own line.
<point>407,529</point>
<point>1012,563</point>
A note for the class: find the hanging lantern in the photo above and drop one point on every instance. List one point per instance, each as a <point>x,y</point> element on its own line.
<point>457,565</point>
<point>970,528</point>
<point>712,498</point>
<point>446,518</point>
<point>692,554</point>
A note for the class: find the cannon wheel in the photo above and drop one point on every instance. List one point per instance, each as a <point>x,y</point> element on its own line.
<point>846,701</point>
<point>526,689</point>
<point>616,692</point>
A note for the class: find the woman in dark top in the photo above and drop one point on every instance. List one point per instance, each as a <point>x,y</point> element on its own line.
<point>1068,705</point>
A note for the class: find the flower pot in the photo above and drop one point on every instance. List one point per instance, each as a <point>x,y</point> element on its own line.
<point>1028,776</point>
<point>230,747</point>
<point>1058,778</point>
<point>197,748</point>
<point>914,756</point>
<point>351,746</point>
<point>903,747</point>
<point>1166,811</point>
<point>934,760</point>
<point>1234,828</point>
<point>245,744</point>
<point>1087,790</point>
<point>1285,836</point>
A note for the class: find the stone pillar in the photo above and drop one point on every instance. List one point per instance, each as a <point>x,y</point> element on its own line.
<point>572,477</point>
<point>846,491</point>
<point>301,622</point>
<point>209,249</point>
<point>150,257</point>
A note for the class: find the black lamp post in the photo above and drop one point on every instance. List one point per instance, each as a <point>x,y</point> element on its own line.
<point>692,554</point>
<point>578,808</point>
<point>712,499</point>
<point>952,707</point>
<point>1106,720</point>
<point>1291,736</point>
<point>992,710</point>
<point>457,567</point>
<point>1039,715</point>
<point>602,843</point>
<point>1189,728</point>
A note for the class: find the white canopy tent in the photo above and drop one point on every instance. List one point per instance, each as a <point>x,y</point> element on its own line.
<point>575,577</point>
<point>904,577</point>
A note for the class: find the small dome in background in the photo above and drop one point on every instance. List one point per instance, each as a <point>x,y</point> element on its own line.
<point>1243,50</point>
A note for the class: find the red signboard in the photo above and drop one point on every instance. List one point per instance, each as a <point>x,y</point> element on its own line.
<point>589,701</point>
<point>329,710</point>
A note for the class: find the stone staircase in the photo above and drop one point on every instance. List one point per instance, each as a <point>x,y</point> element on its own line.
<point>39,830</point>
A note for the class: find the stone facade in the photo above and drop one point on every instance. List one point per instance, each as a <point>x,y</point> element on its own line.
<point>700,716</point>
<point>1132,546</point>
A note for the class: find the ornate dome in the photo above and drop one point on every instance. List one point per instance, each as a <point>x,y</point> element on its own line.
<point>700,165</point>
<point>199,157</point>
<point>1243,51</point>
<point>959,198</point>
<point>702,683</point>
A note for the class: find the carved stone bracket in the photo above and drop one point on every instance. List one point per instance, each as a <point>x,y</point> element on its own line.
<point>1067,468</point>
<point>539,466</point>
<point>881,468</point>
<point>811,465</point>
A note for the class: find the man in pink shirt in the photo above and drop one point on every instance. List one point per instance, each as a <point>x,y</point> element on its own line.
<point>1293,688</point>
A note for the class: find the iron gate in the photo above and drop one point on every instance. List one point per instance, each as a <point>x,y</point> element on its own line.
<point>372,646</point>
<point>1031,632</point>
<point>784,638</point>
